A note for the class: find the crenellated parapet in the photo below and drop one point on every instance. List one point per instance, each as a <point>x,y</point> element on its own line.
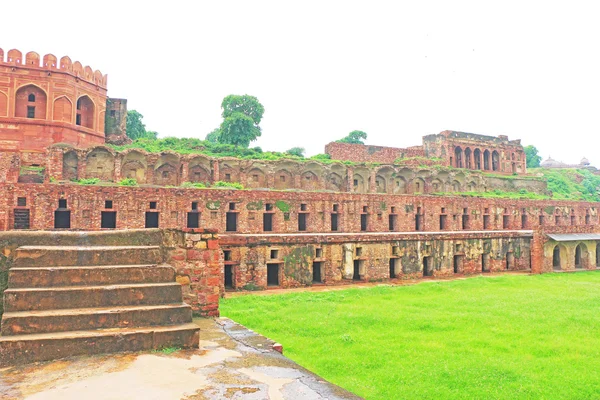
<point>51,63</point>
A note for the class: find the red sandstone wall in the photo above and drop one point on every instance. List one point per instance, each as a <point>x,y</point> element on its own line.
<point>58,84</point>
<point>366,153</point>
<point>87,202</point>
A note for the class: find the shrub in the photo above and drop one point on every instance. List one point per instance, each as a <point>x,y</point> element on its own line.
<point>196,185</point>
<point>230,185</point>
<point>128,182</point>
<point>89,181</point>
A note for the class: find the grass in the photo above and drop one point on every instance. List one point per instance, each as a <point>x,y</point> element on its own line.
<point>167,350</point>
<point>507,337</point>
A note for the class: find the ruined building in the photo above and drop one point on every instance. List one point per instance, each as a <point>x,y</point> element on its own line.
<point>371,214</point>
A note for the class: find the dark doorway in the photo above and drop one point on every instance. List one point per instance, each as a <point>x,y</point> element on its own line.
<point>193,219</point>
<point>556,258</point>
<point>356,275</point>
<point>334,222</point>
<point>427,266</point>
<point>151,219</point>
<point>302,222</point>
<point>317,273</point>
<point>505,222</point>
<point>62,219</point>
<point>364,222</point>
<point>485,262</point>
<point>228,277</point>
<point>267,222</point>
<point>597,255</point>
<point>231,222</point>
<point>21,218</point>
<point>465,222</point>
<point>272,274</point>
<point>458,264</point>
<point>108,219</point>
<point>524,221</point>
<point>418,222</point>
<point>578,263</point>
<point>510,261</point>
<point>442,222</point>
<point>392,222</point>
<point>486,222</point>
<point>393,267</point>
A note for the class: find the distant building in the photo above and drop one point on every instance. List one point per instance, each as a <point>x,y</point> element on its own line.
<point>552,163</point>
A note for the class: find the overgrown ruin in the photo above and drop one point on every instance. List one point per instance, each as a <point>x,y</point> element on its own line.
<point>372,213</point>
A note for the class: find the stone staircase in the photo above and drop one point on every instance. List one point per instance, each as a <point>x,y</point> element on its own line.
<point>66,301</point>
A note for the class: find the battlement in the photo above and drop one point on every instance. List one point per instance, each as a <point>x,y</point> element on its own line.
<point>32,60</point>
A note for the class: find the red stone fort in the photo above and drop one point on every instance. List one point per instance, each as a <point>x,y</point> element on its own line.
<point>372,213</point>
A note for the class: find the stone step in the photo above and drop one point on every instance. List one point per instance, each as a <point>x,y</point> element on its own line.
<point>89,275</point>
<point>35,322</point>
<point>67,256</point>
<point>22,349</point>
<point>31,299</point>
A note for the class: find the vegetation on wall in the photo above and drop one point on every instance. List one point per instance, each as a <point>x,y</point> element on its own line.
<point>571,183</point>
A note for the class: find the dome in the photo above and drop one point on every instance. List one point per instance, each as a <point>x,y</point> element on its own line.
<point>551,163</point>
<point>585,161</point>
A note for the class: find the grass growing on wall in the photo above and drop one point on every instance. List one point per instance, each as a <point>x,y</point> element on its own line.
<point>571,183</point>
<point>508,337</point>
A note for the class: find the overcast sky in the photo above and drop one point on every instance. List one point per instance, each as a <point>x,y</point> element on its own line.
<point>396,70</point>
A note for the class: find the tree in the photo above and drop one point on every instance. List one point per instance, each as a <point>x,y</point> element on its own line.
<point>136,128</point>
<point>354,137</point>
<point>241,119</point>
<point>296,151</point>
<point>531,154</point>
<point>214,136</point>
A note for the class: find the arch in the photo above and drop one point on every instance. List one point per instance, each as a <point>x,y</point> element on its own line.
<point>557,257</point>
<point>100,163</point>
<point>3,104</point>
<point>85,112</point>
<point>50,61</point>
<point>70,166</point>
<point>380,184</point>
<point>486,160</point>
<point>495,161</point>
<point>437,186</point>
<point>15,57</point>
<point>198,172</point>
<point>335,182</point>
<point>581,256</point>
<point>283,179</point>
<point>166,170</point>
<point>477,159</point>
<point>32,59</point>
<point>458,157</point>
<point>418,186</point>
<point>309,181</point>
<point>358,184</point>
<point>63,110</point>
<point>456,186</point>
<point>471,186</point>
<point>134,166</point>
<point>66,64</point>
<point>229,171</point>
<point>468,158</point>
<point>399,185</point>
<point>1,56</point>
<point>256,178</point>
<point>30,109</point>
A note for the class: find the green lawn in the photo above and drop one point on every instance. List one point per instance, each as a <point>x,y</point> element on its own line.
<point>509,337</point>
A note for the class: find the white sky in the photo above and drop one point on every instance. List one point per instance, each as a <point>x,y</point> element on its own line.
<point>397,70</point>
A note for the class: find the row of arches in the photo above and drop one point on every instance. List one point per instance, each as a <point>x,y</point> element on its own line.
<point>484,160</point>
<point>170,169</point>
<point>575,256</point>
<point>50,61</point>
<point>31,102</point>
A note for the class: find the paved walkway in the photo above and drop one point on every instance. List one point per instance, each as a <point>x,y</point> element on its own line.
<point>232,363</point>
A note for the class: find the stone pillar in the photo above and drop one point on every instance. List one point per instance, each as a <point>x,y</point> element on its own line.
<point>198,260</point>
<point>372,183</point>
<point>117,171</point>
<point>537,252</point>
<point>185,172</point>
<point>350,181</point>
<point>215,171</point>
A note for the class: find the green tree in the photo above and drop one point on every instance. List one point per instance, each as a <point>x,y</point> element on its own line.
<point>296,151</point>
<point>241,119</point>
<point>214,136</point>
<point>531,154</point>
<point>354,137</point>
<point>136,128</point>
